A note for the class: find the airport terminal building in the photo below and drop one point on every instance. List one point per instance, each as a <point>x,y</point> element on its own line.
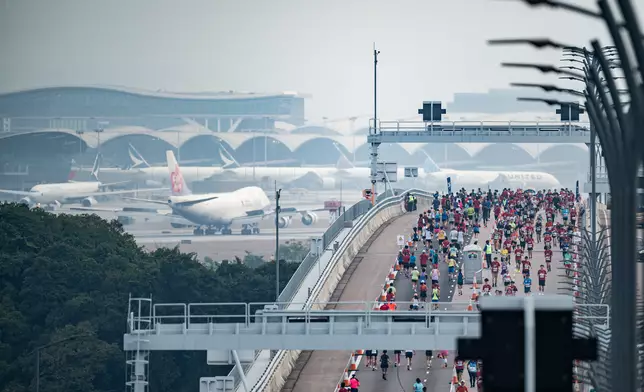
<point>44,129</point>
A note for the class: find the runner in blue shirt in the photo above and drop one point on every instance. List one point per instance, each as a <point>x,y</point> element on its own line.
<point>418,386</point>
<point>527,285</point>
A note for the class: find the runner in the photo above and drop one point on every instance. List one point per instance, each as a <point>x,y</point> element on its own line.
<point>459,365</point>
<point>496,266</point>
<point>409,354</point>
<point>429,355</point>
<point>542,279</point>
<point>527,285</point>
<point>418,386</point>
<point>384,364</point>
<point>397,357</point>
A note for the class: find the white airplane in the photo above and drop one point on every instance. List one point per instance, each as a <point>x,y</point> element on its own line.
<point>56,194</point>
<point>325,177</point>
<point>437,177</point>
<point>142,172</point>
<point>213,212</point>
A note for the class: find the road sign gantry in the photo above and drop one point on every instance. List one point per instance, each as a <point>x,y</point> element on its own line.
<point>479,132</point>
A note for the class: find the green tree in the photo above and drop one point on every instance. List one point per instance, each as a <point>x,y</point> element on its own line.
<point>64,285</point>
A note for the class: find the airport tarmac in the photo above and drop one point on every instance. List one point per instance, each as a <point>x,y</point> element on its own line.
<point>153,230</point>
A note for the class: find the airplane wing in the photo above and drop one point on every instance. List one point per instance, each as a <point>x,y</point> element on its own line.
<point>19,193</point>
<point>114,183</point>
<point>254,215</point>
<point>165,203</point>
<point>108,193</point>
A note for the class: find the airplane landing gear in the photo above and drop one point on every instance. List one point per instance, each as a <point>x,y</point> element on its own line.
<point>250,229</point>
<point>198,231</point>
<point>210,231</point>
<point>226,231</point>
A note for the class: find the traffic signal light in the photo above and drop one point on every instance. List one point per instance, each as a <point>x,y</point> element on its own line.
<point>570,111</point>
<point>432,111</point>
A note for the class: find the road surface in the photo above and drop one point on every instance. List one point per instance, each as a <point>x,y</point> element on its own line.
<point>399,378</point>
<point>321,370</point>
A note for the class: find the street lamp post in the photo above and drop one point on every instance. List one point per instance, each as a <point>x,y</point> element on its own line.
<point>54,343</point>
<point>278,194</point>
<point>80,134</point>
<point>621,141</point>
<point>98,132</point>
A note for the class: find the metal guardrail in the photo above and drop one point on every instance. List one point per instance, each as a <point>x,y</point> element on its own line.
<point>383,203</point>
<point>483,128</point>
<point>352,213</point>
<point>247,314</point>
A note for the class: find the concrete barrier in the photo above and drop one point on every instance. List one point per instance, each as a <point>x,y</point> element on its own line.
<point>282,364</point>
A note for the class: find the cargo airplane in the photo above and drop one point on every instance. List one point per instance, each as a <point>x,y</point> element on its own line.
<point>217,212</point>
<point>85,192</point>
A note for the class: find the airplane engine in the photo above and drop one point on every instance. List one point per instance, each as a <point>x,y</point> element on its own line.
<point>309,218</point>
<point>26,201</point>
<point>88,202</point>
<point>284,222</point>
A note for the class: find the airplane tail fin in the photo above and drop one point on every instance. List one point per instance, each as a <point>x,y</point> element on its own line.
<point>97,167</point>
<point>343,162</point>
<point>136,158</point>
<point>227,158</point>
<point>429,165</point>
<point>178,186</point>
<point>72,171</point>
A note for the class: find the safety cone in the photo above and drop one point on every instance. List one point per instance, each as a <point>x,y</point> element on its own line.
<point>474,287</point>
<point>392,274</point>
<point>353,364</point>
<point>359,352</point>
<point>346,377</point>
<point>383,297</point>
<point>454,378</point>
<point>470,307</point>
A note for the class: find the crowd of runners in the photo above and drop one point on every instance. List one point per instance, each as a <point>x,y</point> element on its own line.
<point>517,221</point>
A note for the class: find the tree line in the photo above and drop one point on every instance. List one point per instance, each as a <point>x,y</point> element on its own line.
<point>64,287</point>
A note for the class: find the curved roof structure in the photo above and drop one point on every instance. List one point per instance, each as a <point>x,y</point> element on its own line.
<point>157,109</point>
<point>177,137</point>
<point>162,93</point>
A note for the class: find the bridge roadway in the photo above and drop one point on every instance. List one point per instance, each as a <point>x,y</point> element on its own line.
<point>437,379</point>
<point>401,379</point>
<point>323,368</point>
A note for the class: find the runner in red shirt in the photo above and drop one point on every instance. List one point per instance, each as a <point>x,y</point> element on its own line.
<point>547,254</point>
<point>530,245</point>
<point>486,286</point>
<point>518,252</point>
<point>547,240</point>
<point>526,267</point>
<point>542,279</point>
<point>496,267</point>
<point>424,258</point>
<point>461,387</point>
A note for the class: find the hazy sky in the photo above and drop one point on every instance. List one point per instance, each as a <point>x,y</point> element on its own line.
<point>430,48</point>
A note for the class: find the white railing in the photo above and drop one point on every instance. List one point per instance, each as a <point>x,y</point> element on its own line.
<point>278,359</point>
